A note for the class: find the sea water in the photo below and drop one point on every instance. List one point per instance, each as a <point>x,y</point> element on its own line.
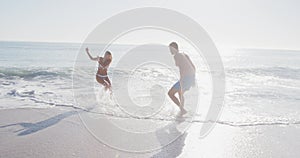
<point>262,86</point>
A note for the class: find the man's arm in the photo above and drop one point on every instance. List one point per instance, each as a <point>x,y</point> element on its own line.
<point>176,60</point>
<point>191,63</point>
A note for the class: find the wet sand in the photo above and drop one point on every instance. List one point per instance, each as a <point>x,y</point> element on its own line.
<point>57,132</point>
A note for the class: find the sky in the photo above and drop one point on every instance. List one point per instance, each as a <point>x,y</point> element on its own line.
<point>271,24</point>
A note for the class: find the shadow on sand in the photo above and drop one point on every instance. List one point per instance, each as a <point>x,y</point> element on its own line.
<point>30,128</point>
<point>164,135</point>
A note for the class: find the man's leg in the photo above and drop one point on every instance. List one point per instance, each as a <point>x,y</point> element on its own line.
<point>181,97</point>
<point>172,93</point>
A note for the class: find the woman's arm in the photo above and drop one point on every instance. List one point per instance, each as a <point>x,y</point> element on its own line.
<point>106,63</point>
<point>92,58</point>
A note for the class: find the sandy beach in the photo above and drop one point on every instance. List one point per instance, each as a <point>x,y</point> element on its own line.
<point>150,79</point>
<point>60,133</point>
<point>38,118</point>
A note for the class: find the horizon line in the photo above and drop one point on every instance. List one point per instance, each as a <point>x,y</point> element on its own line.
<point>69,42</point>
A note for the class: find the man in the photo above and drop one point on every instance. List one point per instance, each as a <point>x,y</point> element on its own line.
<point>187,76</point>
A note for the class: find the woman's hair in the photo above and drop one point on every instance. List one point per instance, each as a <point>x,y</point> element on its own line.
<point>108,52</point>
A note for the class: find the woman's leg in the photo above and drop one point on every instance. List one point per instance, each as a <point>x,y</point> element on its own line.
<point>107,80</point>
<point>108,84</point>
<point>101,81</point>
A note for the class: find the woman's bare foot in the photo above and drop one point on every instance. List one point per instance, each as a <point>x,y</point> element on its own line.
<point>108,87</point>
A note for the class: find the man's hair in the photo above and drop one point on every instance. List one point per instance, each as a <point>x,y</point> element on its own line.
<point>108,52</point>
<point>174,45</point>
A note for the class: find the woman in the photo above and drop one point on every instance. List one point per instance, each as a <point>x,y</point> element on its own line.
<point>103,62</point>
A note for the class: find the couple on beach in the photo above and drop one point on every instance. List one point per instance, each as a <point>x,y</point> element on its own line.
<point>182,61</point>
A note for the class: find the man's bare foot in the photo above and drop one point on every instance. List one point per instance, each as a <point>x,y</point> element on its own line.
<point>183,111</point>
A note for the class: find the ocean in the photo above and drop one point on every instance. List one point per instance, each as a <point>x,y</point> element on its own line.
<point>262,86</point>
